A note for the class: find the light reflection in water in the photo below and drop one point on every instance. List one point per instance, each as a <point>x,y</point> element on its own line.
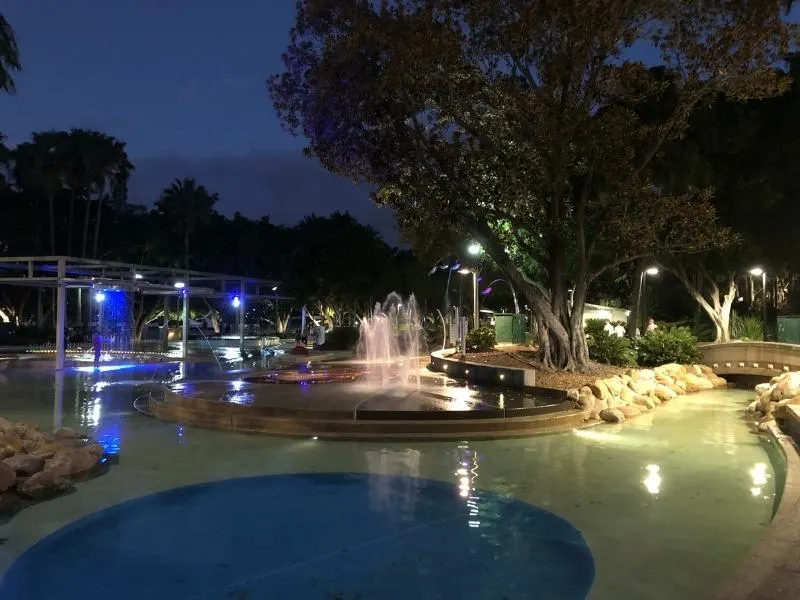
<point>760,477</point>
<point>652,481</point>
<point>395,498</point>
<point>466,474</point>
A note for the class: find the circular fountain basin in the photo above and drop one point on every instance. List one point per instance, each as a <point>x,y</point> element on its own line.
<point>358,402</point>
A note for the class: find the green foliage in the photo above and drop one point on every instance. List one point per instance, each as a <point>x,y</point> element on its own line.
<point>677,345</point>
<point>341,338</point>
<point>606,348</point>
<point>481,339</point>
<point>433,334</point>
<point>746,327</point>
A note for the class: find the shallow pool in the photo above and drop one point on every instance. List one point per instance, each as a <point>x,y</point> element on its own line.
<point>668,504</point>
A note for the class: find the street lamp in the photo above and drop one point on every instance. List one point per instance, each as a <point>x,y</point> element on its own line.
<point>99,297</point>
<point>475,315</point>
<point>179,285</point>
<point>488,290</point>
<point>759,272</point>
<point>642,303</point>
<point>474,249</point>
<point>236,302</point>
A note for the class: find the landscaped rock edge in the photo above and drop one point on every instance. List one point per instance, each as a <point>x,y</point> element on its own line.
<point>640,390</point>
<point>771,397</point>
<point>35,466</point>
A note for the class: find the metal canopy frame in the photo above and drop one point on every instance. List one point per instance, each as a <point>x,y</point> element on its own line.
<point>69,272</point>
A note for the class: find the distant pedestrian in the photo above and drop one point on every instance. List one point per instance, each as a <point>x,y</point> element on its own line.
<point>608,328</point>
<point>651,327</point>
<point>97,346</point>
<point>619,330</point>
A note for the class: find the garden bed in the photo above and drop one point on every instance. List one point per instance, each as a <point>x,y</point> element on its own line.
<point>523,357</point>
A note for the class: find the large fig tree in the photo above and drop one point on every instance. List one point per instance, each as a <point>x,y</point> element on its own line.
<point>517,123</point>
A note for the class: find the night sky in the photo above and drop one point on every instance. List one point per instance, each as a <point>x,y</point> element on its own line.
<point>183,83</point>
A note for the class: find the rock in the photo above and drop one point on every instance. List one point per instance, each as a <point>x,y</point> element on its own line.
<point>6,451</point>
<point>700,382</point>
<point>672,369</point>
<point>630,411</point>
<point>645,402</point>
<point>47,449</point>
<point>664,393</point>
<point>762,388</point>
<point>8,477</point>
<point>5,425</point>
<point>65,433</point>
<point>27,464</point>
<point>612,415</point>
<point>705,370</point>
<point>44,484</point>
<point>71,461</point>
<point>614,385</point>
<point>718,382</point>
<point>647,375</point>
<point>600,390</point>
<point>752,407</point>
<point>627,395</point>
<point>642,387</point>
<point>98,451</point>
<point>9,438</point>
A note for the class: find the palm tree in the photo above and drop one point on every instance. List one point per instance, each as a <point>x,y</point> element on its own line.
<point>9,56</point>
<point>37,168</point>
<point>186,205</point>
<point>104,170</point>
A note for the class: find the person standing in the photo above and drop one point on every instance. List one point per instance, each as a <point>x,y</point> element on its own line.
<point>651,327</point>
<point>97,346</point>
<point>619,330</point>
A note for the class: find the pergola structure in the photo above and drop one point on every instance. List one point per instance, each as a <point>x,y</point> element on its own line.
<point>64,272</point>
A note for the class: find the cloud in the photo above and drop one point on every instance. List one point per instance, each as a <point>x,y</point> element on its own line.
<point>282,184</point>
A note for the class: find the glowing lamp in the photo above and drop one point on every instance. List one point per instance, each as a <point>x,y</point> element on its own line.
<point>464,271</point>
<point>275,288</point>
<point>137,276</point>
<point>652,271</point>
<point>179,285</point>
<point>474,248</point>
<point>236,302</point>
<point>757,271</point>
<point>99,296</point>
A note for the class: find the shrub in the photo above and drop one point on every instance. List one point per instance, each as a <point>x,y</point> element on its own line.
<point>341,338</point>
<point>663,346</point>
<point>606,348</point>
<point>746,327</point>
<point>481,339</point>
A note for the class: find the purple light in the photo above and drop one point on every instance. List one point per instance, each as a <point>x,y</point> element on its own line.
<point>487,291</point>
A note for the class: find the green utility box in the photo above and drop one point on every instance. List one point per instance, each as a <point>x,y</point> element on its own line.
<point>509,329</point>
<point>789,329</point>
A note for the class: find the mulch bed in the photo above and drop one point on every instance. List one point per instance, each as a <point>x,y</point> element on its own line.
<point>523,357</point>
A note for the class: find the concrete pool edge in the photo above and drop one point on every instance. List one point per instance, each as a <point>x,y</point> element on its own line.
<point>771,569</point>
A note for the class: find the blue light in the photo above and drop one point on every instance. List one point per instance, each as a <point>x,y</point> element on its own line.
<point>236,302</point>
<point>104,368</point>
<point>99,296</point>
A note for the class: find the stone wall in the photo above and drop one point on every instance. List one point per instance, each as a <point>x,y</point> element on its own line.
<point>782,390</point>
<point>640,390</point>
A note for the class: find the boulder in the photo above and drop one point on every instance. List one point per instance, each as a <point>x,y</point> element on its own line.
<point>643,387</point>
<point>705,370</point>
<point>6,451</point>
<point>645,402</point>
<point>664,393</point>
<point>5,425</point>
<point>627,395</point>
<point>25,464</point>
<point>630,411</point>
<point>647,374</point>
<point>71,461</point>
<point>47,449</point>
<point>718,382</point>
<point>44,484</point>
<point>700,382</point>
<point>600,390</point>
<point>614,385</point>
<point>8,477</point>
<point>65,433</point>
<point>612,415</point>
<point>762,388</point>
<point>11,439</point>
<point>671,369</point>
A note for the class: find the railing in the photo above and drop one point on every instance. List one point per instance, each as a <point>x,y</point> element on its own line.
<point>751,358</point>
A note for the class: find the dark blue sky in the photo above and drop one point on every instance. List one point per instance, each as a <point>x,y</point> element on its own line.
<point>182,82</point>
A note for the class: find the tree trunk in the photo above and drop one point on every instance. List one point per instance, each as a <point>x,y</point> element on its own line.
<point>70,222</point>
<point>52,217</point>
<point>96,241</point>
<point>86,214</point>
<point>186,249</point>
<point>717,305</point>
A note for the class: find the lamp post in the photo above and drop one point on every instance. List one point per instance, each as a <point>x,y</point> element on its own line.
<point>759,272</point>
<point>642,304</point>
<point>488,290</point>
<point>475,315</point>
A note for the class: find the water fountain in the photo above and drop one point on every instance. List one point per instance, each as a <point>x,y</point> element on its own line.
<point>389,339</point>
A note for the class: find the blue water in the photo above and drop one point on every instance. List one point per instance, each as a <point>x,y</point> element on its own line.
<point>308,537</point>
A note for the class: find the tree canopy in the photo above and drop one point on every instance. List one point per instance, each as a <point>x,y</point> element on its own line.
<point>527,125</point>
